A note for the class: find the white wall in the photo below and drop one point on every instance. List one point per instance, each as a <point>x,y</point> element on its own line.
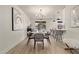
<point>9,38</point>
<point>72,34</point>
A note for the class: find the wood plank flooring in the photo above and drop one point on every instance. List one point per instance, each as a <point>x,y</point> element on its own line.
<point>54,48</point>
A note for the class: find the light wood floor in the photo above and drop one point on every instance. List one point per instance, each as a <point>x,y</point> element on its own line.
<point>54,48</point>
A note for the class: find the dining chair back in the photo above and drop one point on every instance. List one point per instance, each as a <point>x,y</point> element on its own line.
<point>39,37</point>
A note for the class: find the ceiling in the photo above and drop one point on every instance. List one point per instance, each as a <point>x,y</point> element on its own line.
<point>47,10</point>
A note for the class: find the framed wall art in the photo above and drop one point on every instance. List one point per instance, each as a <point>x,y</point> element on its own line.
<point>75,17</point>
<point>17,21</point>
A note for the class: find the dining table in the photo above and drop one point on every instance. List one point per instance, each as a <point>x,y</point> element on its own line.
<point>46,36</point>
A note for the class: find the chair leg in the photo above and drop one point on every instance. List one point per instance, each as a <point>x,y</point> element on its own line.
<point>43,45</point>
<point>48,40</point>
<point>28,41</point>
<point>57,37</point>
<point>34,44</point>
<point>60,37</point>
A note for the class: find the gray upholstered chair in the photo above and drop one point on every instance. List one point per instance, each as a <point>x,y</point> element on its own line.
<point>29,36</point>
<point>47,37</point>
<point>38,37</point>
